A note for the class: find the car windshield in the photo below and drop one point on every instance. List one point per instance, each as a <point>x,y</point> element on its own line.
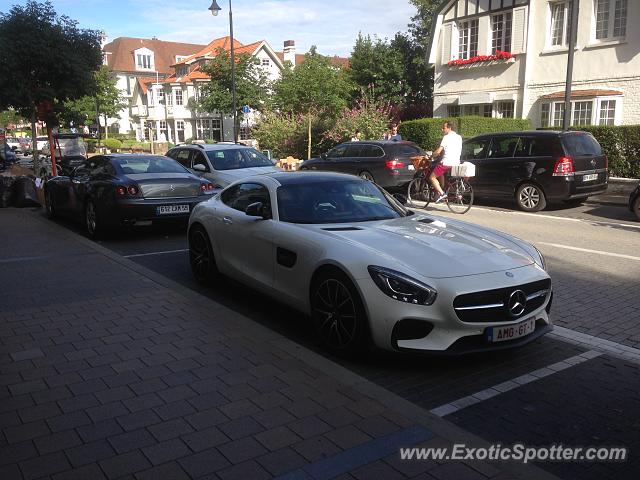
<point>72,146</point>
<point>148,165</point>
<point>235,158</point>
<point>336,202</point>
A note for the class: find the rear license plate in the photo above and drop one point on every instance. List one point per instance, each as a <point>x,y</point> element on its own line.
<point>410,167</point>
<point>590,177</point>
<point>169,209</point>
<point>511,332</point>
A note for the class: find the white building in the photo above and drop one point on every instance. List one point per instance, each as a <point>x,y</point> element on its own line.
<point>528,81</point>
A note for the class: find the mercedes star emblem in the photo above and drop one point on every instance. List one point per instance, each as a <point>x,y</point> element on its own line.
<point>172,188</point>
<point>516,303</point>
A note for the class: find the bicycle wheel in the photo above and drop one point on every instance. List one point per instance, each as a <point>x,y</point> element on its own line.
<point>418,191</point>
<point>459,196</point>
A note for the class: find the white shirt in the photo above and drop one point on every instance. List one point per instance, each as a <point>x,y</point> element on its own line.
<point>452,145</point>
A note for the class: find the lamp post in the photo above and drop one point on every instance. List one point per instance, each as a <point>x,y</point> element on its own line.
<point>214,11</point>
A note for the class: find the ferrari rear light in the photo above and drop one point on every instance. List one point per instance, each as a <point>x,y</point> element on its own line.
<point>121,190</point>
<point>206,187</point>
<point>563,167</point>
<point>394,164</point>
<point>132,190</point>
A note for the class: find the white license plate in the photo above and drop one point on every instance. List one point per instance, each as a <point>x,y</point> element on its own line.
<point>590,177</point>
<point>169,209</point>
<point>511,332</point>
<point>410,167</point>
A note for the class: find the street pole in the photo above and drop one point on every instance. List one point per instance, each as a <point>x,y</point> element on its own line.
<point>573,30</point>
<point>233,77</point>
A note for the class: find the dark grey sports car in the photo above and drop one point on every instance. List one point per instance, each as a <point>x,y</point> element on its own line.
<point>109,191</point>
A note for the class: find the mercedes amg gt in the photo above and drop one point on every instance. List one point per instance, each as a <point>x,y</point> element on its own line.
<point>367,270</point>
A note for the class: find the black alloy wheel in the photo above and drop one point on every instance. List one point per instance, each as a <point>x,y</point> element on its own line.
<point>49,207</point>
<point>201,257</point>
<point>92,222</point>
<point>338,315</point>
<point>530,198</point>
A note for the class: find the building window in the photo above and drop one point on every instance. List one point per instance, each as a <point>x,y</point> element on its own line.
<point>209,129</point>
<point>169,99</point>
<point>610,24</point>
<point>453,110</point>
<point>245,133</point>
<point>558,114</point>
<point>179,124</point>
<point>150,97</point>
<point>265,62</point>
<point>478,110</point>
<point>607,112</point>
<point>544,115</point>
<point>128,85</point>
<point>501,32</point>
<point>582,113</point>
<point>505,109</point>
<point>178,97</point>
<point>160,94</point>
<point>143,61</point>
<point>468,39</point>
<point>560,13</point>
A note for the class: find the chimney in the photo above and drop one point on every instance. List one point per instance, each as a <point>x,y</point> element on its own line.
<point>290,51</point>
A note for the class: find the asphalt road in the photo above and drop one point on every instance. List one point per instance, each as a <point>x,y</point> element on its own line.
<point>592,399</point>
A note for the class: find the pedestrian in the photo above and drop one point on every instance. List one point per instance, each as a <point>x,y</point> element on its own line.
<point>449,152</point>
<point>393,134</point>
<point>356,136</point>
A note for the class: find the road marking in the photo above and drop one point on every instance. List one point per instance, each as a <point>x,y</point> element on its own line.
<point>596,343</point>
<point>587,250</point>
<point>475,398</point>
<point>22,259</point>
<point>155,253</point>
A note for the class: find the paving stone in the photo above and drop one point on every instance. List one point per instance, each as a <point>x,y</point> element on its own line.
<point>57,441</point>
<point>166,451</point>
<point>27,387</point>
<point>114,394</point>
<point>143,402</point>
<point>167,471</point>
<point>347,437</point>
<point>89,453</point>
<point>26,431</point>
<point>239,409</point>
<point>204,439</point>
<point>85,472</point>
<point>99,430</point>
<point>14,453</point>
<point>170,429</point>
<point>274,417</point>
<point>277,438</point>
<point>309,427</point>
<point>137,420</point>
<point>104,412</point>
<point>204,463</point>
<point>39,412</point>
<point>241,450</point>
<point>458,470</point>
<point>281,461</point>
<point>44,465</point>
<point>242,471</point>
<point>10,472</point>
<point>240,427</point>
<point>124,464</point>
<point>174,394</point>
<point>132,440</point>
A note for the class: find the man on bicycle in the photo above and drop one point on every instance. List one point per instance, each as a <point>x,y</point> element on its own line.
<point>449,150</point>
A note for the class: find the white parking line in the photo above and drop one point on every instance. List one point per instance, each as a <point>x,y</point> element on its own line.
<point>596,343</point>
<point>464,402</point>
<point>155,253</point>
<point>587,250</point>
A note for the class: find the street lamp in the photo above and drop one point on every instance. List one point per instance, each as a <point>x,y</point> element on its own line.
<point>214,11</point>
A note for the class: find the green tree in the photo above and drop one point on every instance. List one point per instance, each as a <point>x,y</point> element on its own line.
<point>44,58</point>
<point>252,84</point>
<point>106,100</point>
<point>313,89</point>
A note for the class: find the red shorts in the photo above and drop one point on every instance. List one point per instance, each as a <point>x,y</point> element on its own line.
<point>440,170</point>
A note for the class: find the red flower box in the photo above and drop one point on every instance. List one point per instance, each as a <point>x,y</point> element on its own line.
<point>499,55</point>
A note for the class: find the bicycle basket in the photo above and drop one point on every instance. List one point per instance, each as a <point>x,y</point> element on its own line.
<point>419,161</point>
<point>467,169</point>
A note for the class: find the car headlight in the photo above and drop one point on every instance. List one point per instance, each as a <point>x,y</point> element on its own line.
<point>541,262</point>
<point>401,287</point>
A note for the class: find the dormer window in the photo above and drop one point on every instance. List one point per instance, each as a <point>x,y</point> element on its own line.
<point>144,61</point>
<point>143,58</point>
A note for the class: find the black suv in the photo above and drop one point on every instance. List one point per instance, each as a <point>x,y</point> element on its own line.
<point>388,163</point>
<point>537,167</point>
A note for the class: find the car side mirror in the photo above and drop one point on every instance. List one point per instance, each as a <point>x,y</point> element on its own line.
<point>198,167</point>
<point>257,210</point>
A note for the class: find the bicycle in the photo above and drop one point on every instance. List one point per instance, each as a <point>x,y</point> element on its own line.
<point>459,192</point>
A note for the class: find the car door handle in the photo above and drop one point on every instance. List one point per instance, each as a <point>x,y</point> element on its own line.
<point>227,220</point>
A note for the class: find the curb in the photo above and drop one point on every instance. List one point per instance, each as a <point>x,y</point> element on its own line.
<point>439,426</point>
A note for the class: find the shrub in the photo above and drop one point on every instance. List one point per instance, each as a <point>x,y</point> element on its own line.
<point>91,145</point>
<point>621,144</point>
<point>427,132</point>
<point>283,134</point>
<point>370,117</point>
<point>112,143</point>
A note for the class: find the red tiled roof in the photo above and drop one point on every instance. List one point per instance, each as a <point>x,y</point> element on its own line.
<point>209,50</point>
<point>120,53</point>
<point>144,81</point>
<point>194,74</point>
<point>582,94</point>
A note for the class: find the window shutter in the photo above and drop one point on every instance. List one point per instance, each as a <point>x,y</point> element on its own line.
<point>519,37</point>
<point>446,43</point>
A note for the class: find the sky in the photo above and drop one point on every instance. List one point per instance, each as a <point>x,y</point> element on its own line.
<point>331,25</point>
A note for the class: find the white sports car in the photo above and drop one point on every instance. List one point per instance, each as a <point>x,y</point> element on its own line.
<point>367,270</point>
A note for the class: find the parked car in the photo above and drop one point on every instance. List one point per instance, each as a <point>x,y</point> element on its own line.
<point>345,252</point>
<point>14,144</point>
<point>7,156</point>
<point>110,191</point>
<point>222,163</point>
<point>634,202</point>
<point>388,163</point>
<point>537,167</point>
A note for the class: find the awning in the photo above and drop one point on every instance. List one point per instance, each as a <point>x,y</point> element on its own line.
<point>475,98</point>
<point>582,94</point>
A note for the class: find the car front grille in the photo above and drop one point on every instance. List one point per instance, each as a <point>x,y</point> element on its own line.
<point>494,305</point>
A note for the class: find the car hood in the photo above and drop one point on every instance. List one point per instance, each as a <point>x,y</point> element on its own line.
<point>229,176</point>
<point>434,247</point>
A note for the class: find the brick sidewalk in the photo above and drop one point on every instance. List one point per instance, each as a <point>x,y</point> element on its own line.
<point>108,370</point>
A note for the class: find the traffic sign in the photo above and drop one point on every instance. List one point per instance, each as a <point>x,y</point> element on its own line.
<point>246,109</point>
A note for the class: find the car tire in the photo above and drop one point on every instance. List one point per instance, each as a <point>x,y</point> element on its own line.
<point>636,207</point>
<point>338,314</point>
<point>366,175</point>
<point>49,207</point>
<point>201,256</point>
<point>91,220</point>
<point>530,197</point>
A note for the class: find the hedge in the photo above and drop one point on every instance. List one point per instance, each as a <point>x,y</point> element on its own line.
<point>427,132</point>
<point>621,144</point>
<point>112,143</point>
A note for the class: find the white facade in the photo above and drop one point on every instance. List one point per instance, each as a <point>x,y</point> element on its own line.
<point>530,84</point>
